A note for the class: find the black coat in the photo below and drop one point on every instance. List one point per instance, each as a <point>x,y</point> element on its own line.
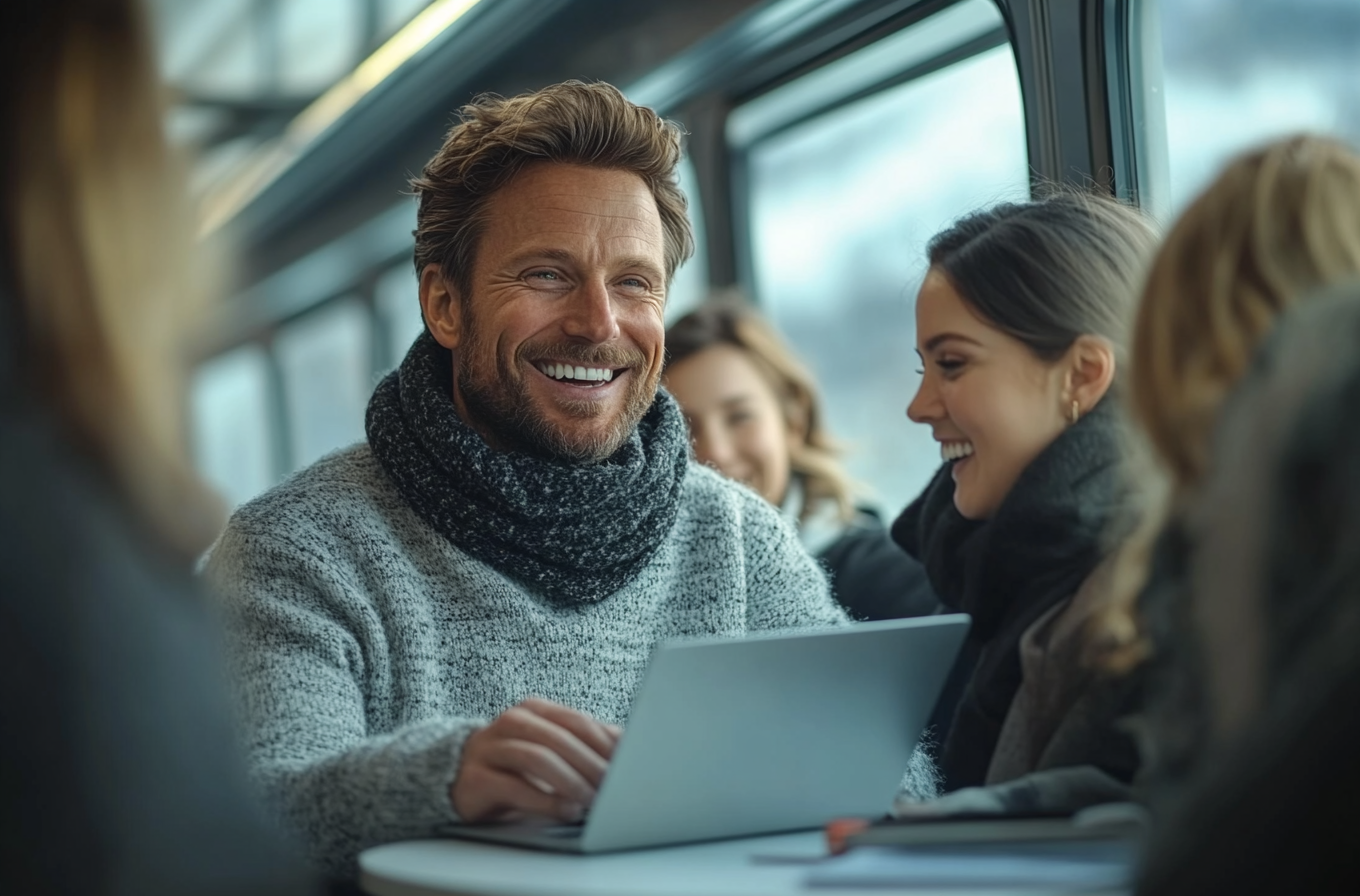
<point>872,577</point>
<point>1049,534</point>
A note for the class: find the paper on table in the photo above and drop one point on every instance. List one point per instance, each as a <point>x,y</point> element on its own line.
<point>1077,865</point>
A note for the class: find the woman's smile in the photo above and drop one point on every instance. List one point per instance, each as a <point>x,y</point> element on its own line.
<point>981,386</point>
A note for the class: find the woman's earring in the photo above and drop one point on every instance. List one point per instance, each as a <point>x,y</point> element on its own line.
<point>1075,415</point>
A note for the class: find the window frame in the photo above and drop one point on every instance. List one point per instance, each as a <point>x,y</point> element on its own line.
<point>344,269</point>
<point>739,152</point>
<point>1082,68</point>
<point>1136,104</point>
<point>1087,83</point>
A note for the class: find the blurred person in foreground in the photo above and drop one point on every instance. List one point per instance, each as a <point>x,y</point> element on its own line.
<point>118,772</point>
<point>1269,806</point>
<point>1279,224</point>
<point>447,622</point>
<point>1020,326</point>
<point>754,415</point>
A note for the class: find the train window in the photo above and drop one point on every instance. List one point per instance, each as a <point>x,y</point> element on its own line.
<point>230,418</point>
<point>318,41</point>
<point>395,13</point>
<point>325,361</point>
<point>214,51</point>
<point>1237,74</point>
<point>842,204</point>
<point>691,282</point>
<point>398,306</point>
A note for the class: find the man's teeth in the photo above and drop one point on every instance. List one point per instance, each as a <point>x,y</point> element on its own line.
<point>583,374</point>
<point>955,450</point>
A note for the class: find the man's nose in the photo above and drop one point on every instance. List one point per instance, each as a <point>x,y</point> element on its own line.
<point>591,315</point>
<point>925,406</point>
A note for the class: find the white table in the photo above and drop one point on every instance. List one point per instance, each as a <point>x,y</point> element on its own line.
<point>759,866</point>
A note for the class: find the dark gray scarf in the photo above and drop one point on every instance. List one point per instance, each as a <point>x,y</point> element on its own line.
<point>1048,535</point>
<point>573,533</point>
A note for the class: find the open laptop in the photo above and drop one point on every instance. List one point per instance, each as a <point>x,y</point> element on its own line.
<point>773,732</point>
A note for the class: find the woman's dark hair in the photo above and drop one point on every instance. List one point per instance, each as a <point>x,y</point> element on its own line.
<point>1050,270</point>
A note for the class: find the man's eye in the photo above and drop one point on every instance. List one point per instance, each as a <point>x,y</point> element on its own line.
<point>544,275</point>
<point>633,283</point>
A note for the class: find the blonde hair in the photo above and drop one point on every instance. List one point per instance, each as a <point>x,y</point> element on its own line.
<point>99,246</point>
<point>1278,224</point>
<point>570,123</point>
<point>726,319</point>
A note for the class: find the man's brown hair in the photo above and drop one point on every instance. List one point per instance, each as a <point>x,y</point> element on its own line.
<point>570,123</point>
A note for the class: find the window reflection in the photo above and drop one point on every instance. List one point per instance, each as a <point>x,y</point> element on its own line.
<point>319,40</point>
<point>397,300</point>
<point>325,359</point>
<point>841,209</point>
<point>691,282</point>
<point>230,419</point>
<point>395,13</point>
<point>1238,74</point>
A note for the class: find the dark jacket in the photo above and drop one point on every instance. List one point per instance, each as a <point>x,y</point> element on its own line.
<point>1008,573</point>
<point>1256,782</point>
<point>1175,718</point>
<point>872,577</point>
<point>118,772</point>
<point>1068,710</point>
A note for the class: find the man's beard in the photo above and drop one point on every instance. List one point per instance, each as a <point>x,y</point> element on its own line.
<point>496,395</point>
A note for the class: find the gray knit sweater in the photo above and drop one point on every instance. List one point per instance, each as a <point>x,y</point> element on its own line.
<point>369,646</point>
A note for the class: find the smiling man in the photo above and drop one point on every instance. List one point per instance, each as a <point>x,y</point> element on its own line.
<point>448,622</point>
<point>570,275</point>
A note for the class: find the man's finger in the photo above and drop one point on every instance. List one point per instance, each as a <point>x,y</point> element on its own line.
<point>522,758</point>
<point>504,795</point>
<point>520,724</point>
<point>590,731</point>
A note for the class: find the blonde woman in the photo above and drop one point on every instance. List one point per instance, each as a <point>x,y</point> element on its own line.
<point>1276,226</point>
<point>1275,574</point>
<point>754,415</point>
<point>119,773</point>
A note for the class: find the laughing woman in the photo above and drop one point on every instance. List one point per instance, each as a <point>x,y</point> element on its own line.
<point>754,415</point>
<point>1020,326</point>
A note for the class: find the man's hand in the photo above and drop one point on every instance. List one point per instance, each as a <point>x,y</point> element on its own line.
<point>536,758</point>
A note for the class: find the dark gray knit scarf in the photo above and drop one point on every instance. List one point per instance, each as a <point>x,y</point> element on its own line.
<point>573,533</point>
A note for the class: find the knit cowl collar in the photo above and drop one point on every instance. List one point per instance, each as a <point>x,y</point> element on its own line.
<point>572,533</point>
<point>1049,533</point>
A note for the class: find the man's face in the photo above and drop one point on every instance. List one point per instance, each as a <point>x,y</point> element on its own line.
<point>559,344</point>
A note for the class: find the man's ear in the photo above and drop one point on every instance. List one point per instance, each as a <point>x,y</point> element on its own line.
<point>439,303</point>
<point>1090,373</point>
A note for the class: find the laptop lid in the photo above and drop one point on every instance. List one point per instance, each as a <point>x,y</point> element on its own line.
<point>771,732</point>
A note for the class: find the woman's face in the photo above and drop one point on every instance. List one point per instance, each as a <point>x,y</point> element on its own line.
<point>991,404</point>
<point>734,418</point>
